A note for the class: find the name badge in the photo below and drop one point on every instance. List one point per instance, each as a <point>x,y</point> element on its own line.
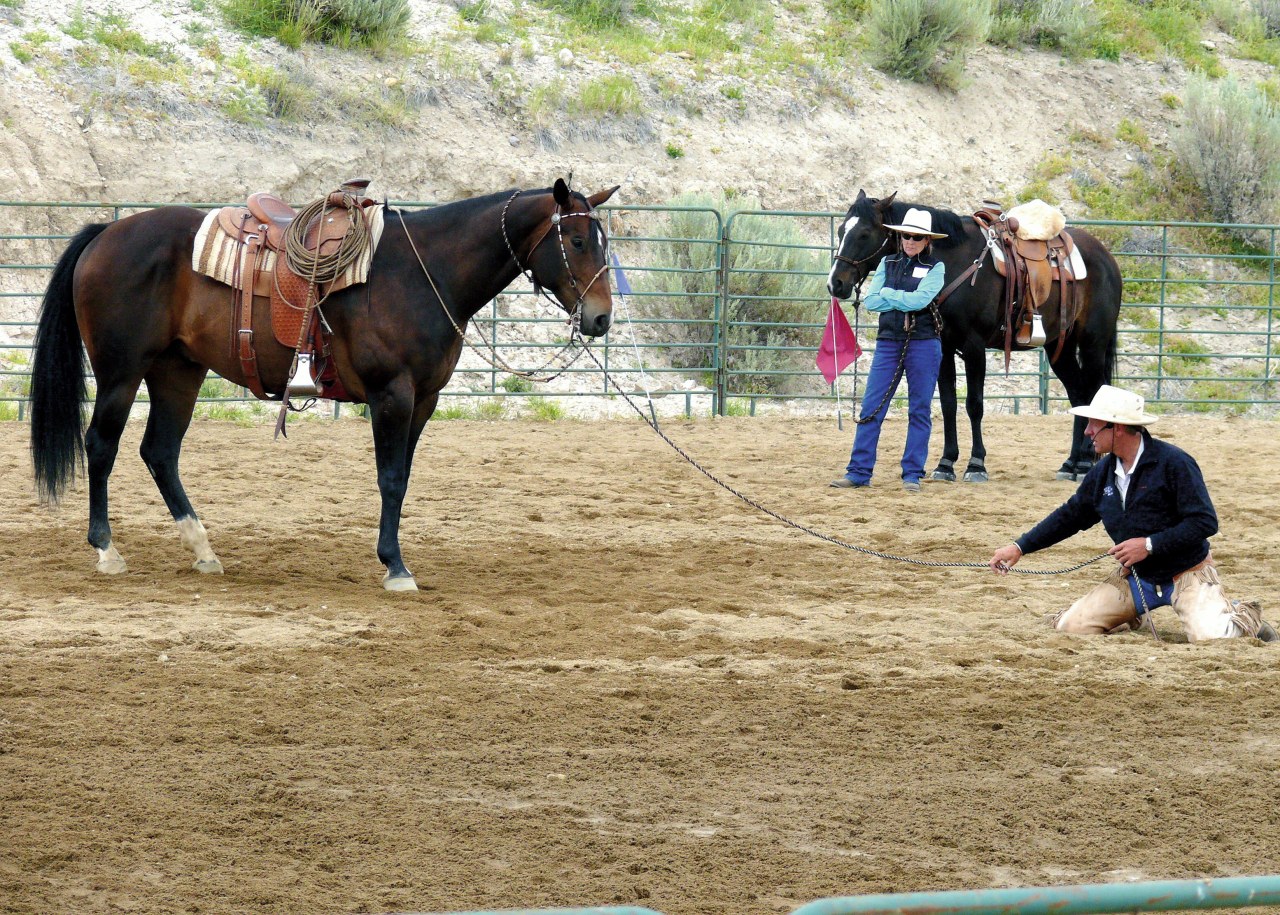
<point>920,272</point>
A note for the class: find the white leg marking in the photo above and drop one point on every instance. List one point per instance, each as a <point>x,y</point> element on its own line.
<point>195,538</point>
<point>110,562</point>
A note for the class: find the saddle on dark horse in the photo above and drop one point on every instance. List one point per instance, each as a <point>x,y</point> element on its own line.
<point>1030,247</point>
<point>266,249</point>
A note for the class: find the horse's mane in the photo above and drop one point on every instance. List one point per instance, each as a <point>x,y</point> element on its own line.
<point>943,221</point>
<point>462,209</point>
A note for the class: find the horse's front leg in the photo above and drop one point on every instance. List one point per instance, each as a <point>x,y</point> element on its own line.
<point>395,433</point>
<point>946,469</point>
<point>975,374</point>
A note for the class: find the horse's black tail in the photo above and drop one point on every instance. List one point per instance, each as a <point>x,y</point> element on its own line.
<point>58,378</point>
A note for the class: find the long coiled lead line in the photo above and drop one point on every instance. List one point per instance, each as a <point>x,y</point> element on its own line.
<point>829,538</point>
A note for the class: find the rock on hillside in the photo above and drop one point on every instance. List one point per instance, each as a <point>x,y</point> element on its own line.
<point>456,118</point>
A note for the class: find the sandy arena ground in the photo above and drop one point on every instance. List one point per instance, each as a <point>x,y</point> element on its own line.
<point>618,685</point>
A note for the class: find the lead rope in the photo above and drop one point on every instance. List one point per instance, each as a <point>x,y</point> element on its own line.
<point>813,532</point>
<point>1146,611</point>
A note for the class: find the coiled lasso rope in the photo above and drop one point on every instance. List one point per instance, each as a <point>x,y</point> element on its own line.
<point>312,265</point>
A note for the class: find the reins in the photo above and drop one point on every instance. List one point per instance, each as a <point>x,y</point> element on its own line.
<point>497,361</point>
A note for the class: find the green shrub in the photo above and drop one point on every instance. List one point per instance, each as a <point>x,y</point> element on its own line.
<point>373,24</point>
<point>599,15</point>
<point>775,278</point>
<point>1130,131</point>
<point>543,409</point>
<point>926,40</point>
<point>514,384</point>
<point>616,94</point>
<point>25,50</point>
<point>284,95</point>
<point>1229,145</point>
<point>1269,12</point>
<point>111,30</point>
<point>1064,24</point>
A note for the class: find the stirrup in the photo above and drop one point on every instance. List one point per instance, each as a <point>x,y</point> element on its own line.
<point>1031,333</point>
<point>301,383</point>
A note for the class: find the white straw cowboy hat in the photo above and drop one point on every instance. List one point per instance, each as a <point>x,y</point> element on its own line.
<point>917,222</point>
<point>1113,405</point>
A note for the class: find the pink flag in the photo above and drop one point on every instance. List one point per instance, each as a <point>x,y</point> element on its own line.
<point>839,345</point>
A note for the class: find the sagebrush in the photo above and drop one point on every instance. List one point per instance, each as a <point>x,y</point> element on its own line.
<point>776,286</point>
<point>1229,145</point>
<point>926,40</point>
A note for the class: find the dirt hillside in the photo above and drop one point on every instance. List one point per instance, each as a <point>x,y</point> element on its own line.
<point>454,119</point>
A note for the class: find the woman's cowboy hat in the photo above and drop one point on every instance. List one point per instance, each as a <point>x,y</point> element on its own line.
<point>917,222</point>
<point>1113,405</point>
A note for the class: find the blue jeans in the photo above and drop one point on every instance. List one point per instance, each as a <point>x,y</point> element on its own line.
<point>924,357</point>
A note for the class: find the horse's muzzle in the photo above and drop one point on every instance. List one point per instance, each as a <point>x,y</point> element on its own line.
<point>596,324</point>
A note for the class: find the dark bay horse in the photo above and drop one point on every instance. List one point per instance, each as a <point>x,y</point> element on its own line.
<point>127,292</point>
<point>972,321</point>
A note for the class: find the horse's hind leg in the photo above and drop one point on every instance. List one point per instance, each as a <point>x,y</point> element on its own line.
<point>174,382</point>
<point>101,444</point>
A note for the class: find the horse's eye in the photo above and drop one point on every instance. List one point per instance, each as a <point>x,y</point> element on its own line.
<point>579,244</point>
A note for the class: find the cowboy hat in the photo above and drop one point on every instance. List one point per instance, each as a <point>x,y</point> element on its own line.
<point>1113,405</point>
<point>917,222</point>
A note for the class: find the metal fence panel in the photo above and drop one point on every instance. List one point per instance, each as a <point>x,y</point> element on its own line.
<point>728,312</point>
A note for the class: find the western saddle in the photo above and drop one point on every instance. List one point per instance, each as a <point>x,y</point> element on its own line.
<point>1031,258</point>
<point>299,276</point>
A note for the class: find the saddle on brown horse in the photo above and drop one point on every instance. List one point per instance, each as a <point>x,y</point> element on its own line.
<point>1032,260</point>
<point>292,264</point>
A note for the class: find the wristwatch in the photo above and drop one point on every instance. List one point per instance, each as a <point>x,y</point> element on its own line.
<point>1149,549</point>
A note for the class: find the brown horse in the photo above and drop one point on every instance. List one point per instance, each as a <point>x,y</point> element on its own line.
<point>972,321</point>
<point>128,292</point>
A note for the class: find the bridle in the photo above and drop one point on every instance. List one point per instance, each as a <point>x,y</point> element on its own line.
<point>557,223</point>
<point>857,264</point>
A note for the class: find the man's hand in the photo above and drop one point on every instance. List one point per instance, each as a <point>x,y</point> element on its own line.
<point>1005,558</point>
<point>1130,551</point>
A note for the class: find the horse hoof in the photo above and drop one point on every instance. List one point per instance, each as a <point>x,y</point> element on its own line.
<point>399,583</point>
<point>110,562</point>
<point>207,566</point>
<point>1066,475</point>
<point>975,476</point>
<point>945,476</point>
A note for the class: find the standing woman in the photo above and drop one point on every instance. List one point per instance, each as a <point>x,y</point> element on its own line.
<point>904,286</point>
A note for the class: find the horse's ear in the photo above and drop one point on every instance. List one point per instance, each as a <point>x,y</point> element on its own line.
<point>862,196</point>
<point>596,199</point>
<point>883,205</point>
<point>561,192</point>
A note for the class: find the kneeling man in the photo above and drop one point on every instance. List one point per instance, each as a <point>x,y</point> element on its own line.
<point>1151,498</point>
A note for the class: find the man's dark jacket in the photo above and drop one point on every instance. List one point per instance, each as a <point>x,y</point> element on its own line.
<point>1167,502</point>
